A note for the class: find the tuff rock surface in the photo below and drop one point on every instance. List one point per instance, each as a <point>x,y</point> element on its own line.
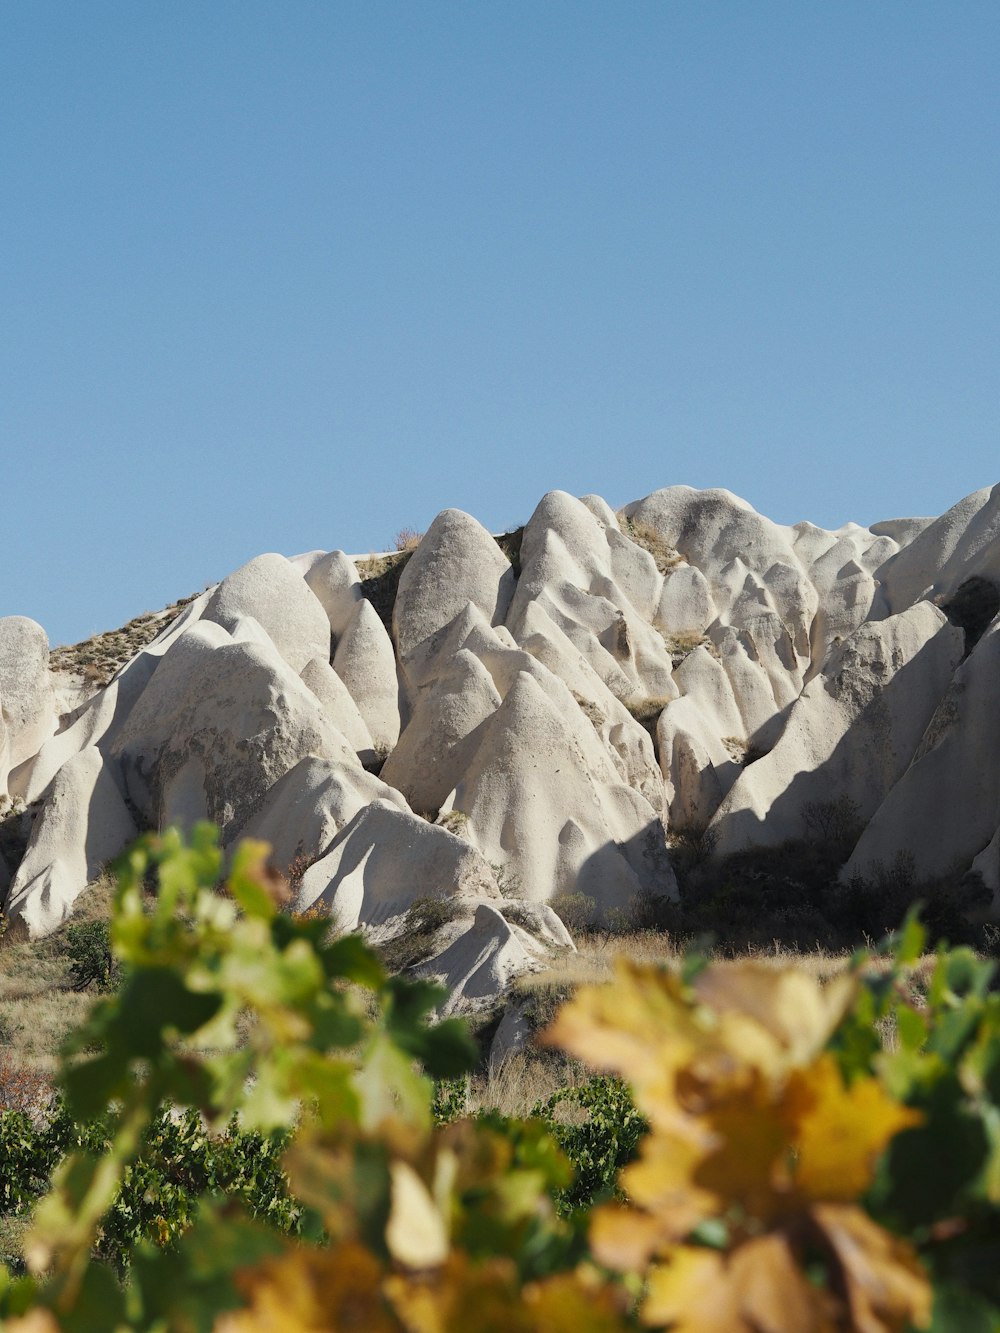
<point>501,725</point>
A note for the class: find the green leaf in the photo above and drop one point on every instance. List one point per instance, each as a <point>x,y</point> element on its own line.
<point>350,959</point>
<point>919,1181</point>
<point>447,1049</point>
<point>246,882</point>
<point>89,1086</point>
<point>99,1302</point>
<point>912,937</point>
<point>958,1310</point>
<point>911,1026</point>
<point>155,1000</point>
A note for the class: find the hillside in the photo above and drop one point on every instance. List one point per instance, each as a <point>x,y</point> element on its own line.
<point>589,714</point>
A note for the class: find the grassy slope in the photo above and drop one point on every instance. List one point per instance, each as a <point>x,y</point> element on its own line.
<point>38,1005</point>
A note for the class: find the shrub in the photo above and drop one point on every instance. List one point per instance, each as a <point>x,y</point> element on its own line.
<point>598,1127</point>
<point>91,961</point>
<point>575,910</point>
<point>647,710</point>
<point>22,1089</point>
<point>416,939</point>
<point>380,582</point>
<point>407,539</point>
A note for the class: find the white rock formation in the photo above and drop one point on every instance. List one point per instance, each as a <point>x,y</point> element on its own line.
<point>384,861</point>
<point>365,662</point>
<point>336,583</point>
<point>945,808</point>
<point>964,541</point>
<point>216,727</point>
<point>600,589</point>
<point>338,705</point>
<point>275,594</point>
<point>27,704</point>
<point>682,663</point>
<point>484,958</point>
<point>457,564</point>
<point>850,735</point>
<point>304,811</point>
<point>542,799</point>
<point>84,824</point>
<point>443,734</point>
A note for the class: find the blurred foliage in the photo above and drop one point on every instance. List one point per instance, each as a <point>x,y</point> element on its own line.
<point>260,1131</point>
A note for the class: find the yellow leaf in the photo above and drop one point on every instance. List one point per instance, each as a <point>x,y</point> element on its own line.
<point>626,1240</point>
<point>640,1026</point>
<point>309,1290</point>
<point>678,1048</point>
<point>662,1181</point>
<point>749,1163</point>
<point>887,1289</point>
<point>840,1130</point>
<point>796,1011</point>
<point>415,1234</point>
<point>692,1294</point>
<point>487,1297</point>
<point>775,1296</point>
<point>38,1321</point>
<point>758,1288</point>
<point>459,1298</point>
<point>578,1302</point>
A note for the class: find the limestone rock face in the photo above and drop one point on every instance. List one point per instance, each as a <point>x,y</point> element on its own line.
<point>27,704</point>
<point>366,663</point>
<point>319,676</point>
<point>541,798</point>
<point>540,729</point>
<point>216,727</point>
<point>305,809</point>
<point>84,823</point>
<point>443,734</point>
<point>749,562</point>
<point>457,564</point>
<point>946,806</point>
<point>274,593</point>
<point>384,860</point>
<point>964,541</point>
<point>851,733</point>
<point>482,961</point>
<point>601,590</point>
<point>336,583</point>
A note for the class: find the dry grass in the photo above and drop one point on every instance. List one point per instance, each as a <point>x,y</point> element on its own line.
<point>683,642</point>
<point>100,657</point>
<point>521,1081</point>
<point>646,710</point>
<point>38,1005</point>
<point>454,821</point>
<point>533,1074</point>
<point>667,557</point>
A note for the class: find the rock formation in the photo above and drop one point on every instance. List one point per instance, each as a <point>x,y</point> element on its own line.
<point>506,723</point>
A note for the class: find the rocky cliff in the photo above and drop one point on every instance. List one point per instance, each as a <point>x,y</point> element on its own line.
<point>504,722</point>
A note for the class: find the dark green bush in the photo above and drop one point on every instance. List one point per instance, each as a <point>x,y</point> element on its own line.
<point>91,960</point>
<point>600,1135</point>
<point>180,1164</point>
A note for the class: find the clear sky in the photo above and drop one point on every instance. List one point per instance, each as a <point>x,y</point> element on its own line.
<point>297,274</point>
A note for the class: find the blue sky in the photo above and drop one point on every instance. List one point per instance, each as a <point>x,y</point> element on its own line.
<point>277,276</point>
